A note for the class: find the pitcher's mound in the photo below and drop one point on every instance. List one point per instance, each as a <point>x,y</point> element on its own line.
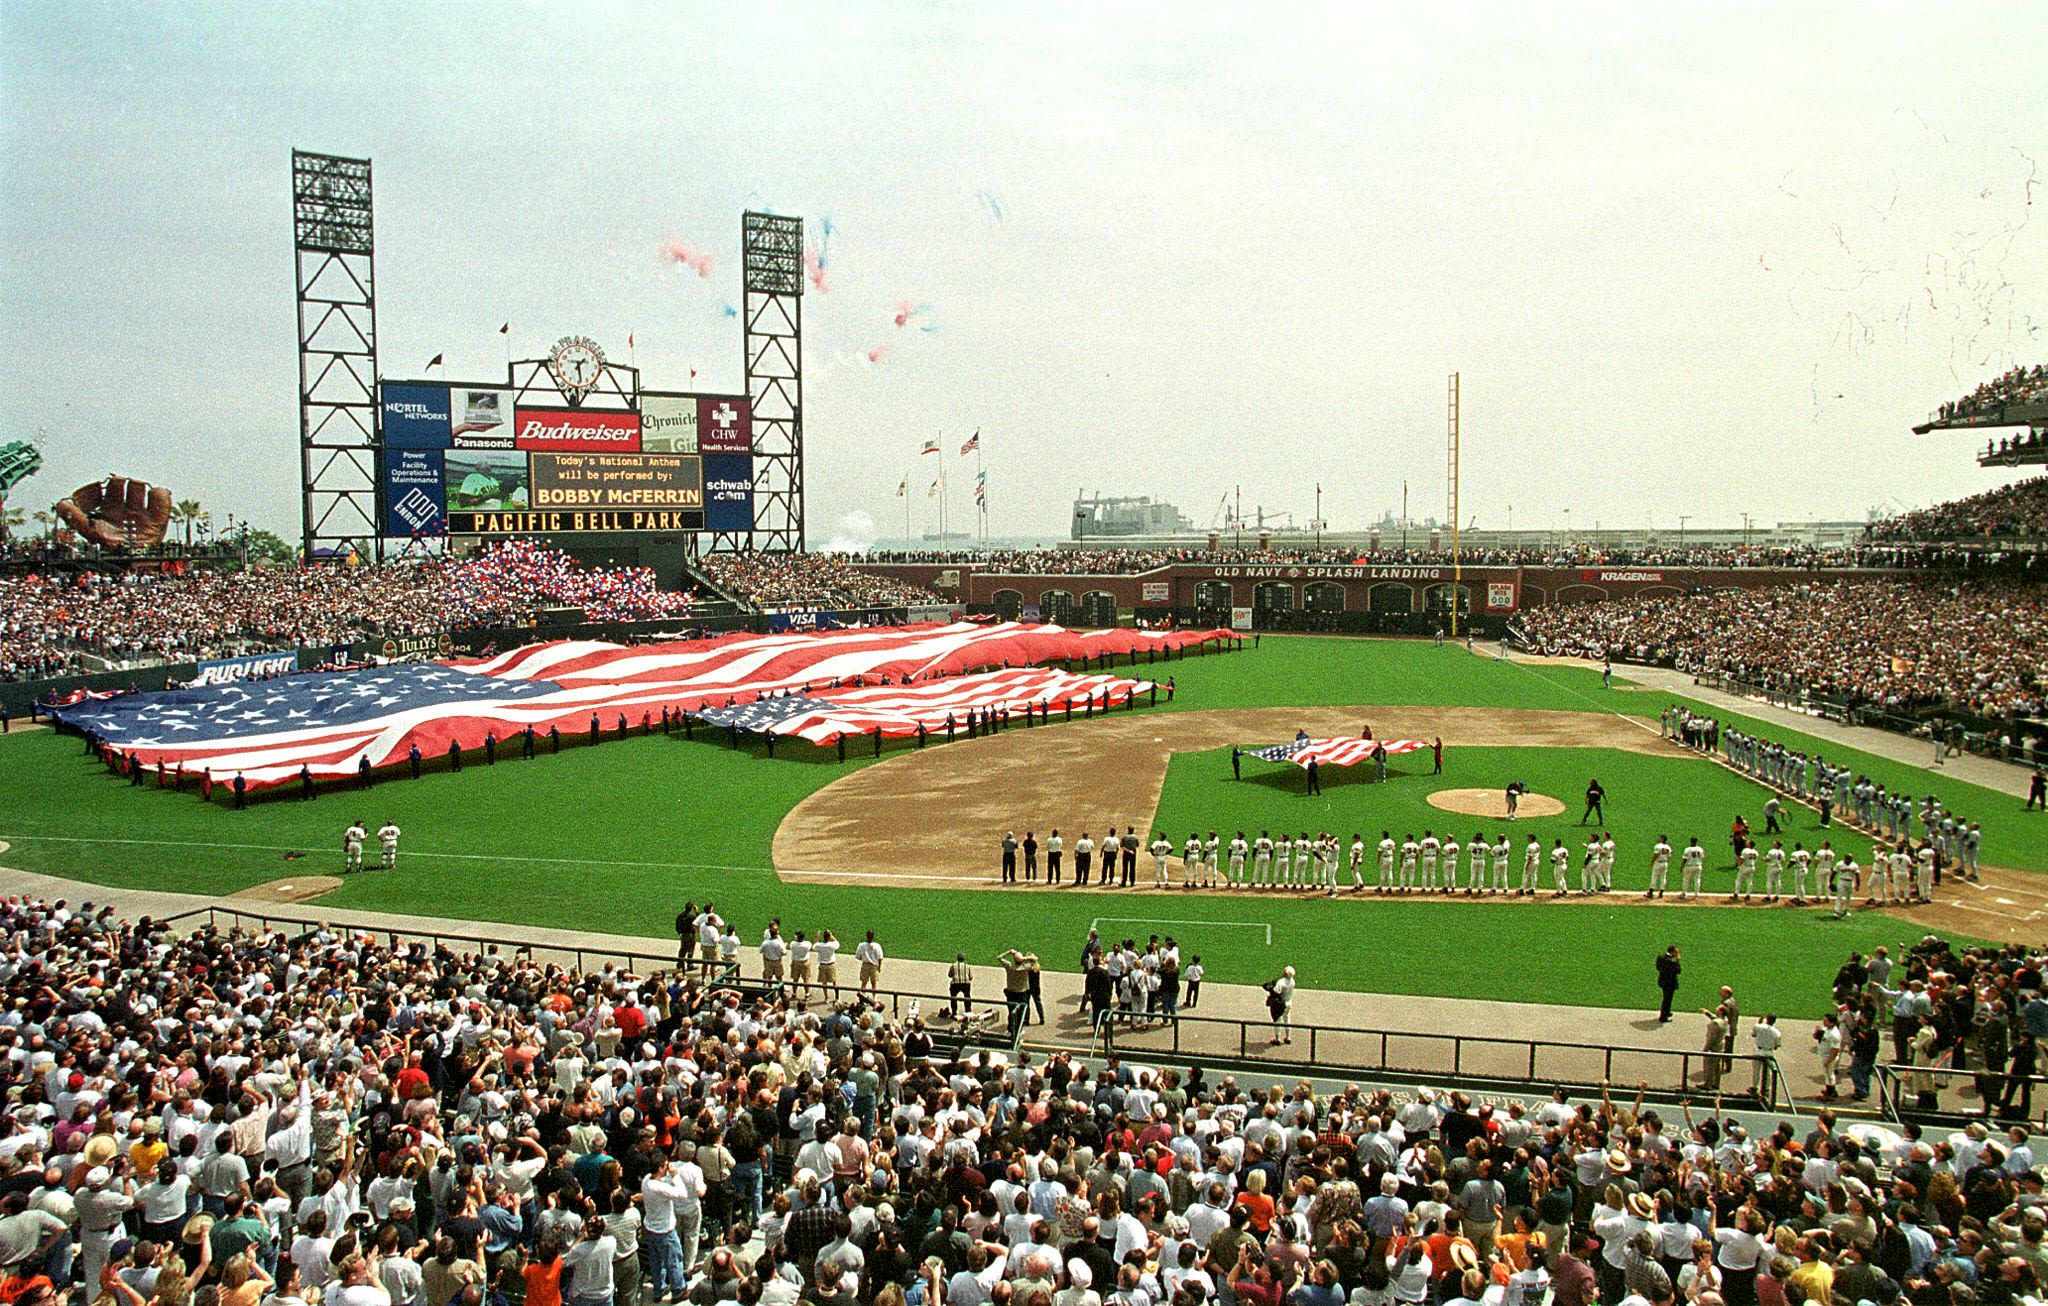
<point>299,888</point>
<point>1493,803</point>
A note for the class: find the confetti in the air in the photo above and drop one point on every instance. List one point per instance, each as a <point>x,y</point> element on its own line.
<point>728,310</point>
<point>906,310</point>
<point>818,256</point>
<point>878,353</point>
<point>991,207</point>
<point>684,254</point>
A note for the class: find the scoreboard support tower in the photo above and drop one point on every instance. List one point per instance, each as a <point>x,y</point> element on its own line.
<point>773,247</point>
<point>333,240</point>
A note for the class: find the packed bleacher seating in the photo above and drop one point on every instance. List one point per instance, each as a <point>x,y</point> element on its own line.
<point>1124,562</point>
<point>2021,385</point>
<point>226,1120</point>
<point>1975,646</point>
<point>59,622</point>
<point>2016,510</point>
<point>808,581</point>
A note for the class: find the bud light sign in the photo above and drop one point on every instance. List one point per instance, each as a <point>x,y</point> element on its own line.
<point>728,492</point>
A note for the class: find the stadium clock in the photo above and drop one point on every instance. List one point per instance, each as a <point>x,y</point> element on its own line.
<point>576,363</point>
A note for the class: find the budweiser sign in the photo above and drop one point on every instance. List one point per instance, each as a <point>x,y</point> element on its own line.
<point>551,429</point>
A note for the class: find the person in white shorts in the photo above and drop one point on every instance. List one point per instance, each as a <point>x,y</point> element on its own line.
<point>1449,853</point>
<point>1304,862</point>
<point>1902,874</point>
<point>1802,861</point>
<point>1589,869</point>
<point>1606,861</point>
<point>1560,868</point>
<point>1238,849</point>
<point>1162,848</point>
<point>1410,851</point>
<point>1333,852</point>
<point>825,952</point>
<point>1532,865</point>
<point>1190,861</point>
<point>1388,849</point>
<point>1823,870</point>
<point>1212,849</point>
<point>870,956</point>
<point>800,967</point>
<point>1745,873</point>
<point>1501,849</point>
<point>352,847</point>
<point>1431,846</point>
<point>1692,868</point>
<point>1262,860</point>
<point>1660,868</point>
<point>1774,872</point>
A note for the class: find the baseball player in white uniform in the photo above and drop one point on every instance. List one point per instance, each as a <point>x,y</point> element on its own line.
<point>1431,846</point>
<point>1606,861</point>
<point>1387,850</point>
<point>1561,868</point>
<point>1410,851</point>
<point>1660,868</point>
<point>1532,865</point>
<point>1212,849</point>
<point>1262,860</point>
<point>1774,872</point>
<point>1238,849</point>
<point>1745,873</point>
<point>1450,852</point>
<point>1476,850</point>
<point>1823,870</point>
<point>387,835</point>
<point>1589,869</point>
<point>1923,868</point>
<point>1162,848</point>
<point>1501,849</point>
<point>1845,886</point>
<point>1190,861</point>
<point>1692,868</point>
<point>1357,861</point>
<point>1304,862</point>
<point>1802,861</point>
<point>1902,874</point>
<point>352,847</point>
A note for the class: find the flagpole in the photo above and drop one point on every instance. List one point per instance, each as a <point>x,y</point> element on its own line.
<point>980,489</point>
<point>944,492</point>
<point>904,491</point>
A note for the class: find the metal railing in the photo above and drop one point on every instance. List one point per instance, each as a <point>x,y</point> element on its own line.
<point>1898,1090</point>
<point>1488,1059</point>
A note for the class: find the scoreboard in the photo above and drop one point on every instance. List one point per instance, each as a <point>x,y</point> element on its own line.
<point>473,460</point>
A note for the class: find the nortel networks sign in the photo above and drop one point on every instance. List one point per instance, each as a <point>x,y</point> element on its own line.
<point>568,430</point>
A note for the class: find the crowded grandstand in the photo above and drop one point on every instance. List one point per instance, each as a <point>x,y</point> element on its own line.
<point>331,1115</point>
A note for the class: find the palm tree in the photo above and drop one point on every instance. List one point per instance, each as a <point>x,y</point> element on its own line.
<point>9,519</point>
<point>187,511</point>
<point>45,519</point>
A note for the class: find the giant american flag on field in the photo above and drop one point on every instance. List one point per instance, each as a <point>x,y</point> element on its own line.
<point>329,722</point>
<point>1343,751</point>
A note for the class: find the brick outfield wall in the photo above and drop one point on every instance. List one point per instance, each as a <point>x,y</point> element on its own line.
<point>1380,587</point>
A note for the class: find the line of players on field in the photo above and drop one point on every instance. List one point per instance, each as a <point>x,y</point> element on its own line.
<point>1431,865</point>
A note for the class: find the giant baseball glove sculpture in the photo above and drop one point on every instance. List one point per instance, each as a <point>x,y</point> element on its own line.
<point>118,512</point>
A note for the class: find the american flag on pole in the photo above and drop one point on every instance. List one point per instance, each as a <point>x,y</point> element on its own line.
<point>1347,751</point>
<point>973,443</point>
<point>329,722</point>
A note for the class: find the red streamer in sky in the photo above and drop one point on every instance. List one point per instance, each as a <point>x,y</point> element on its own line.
<point>684,254</point>
<point>878,353</point>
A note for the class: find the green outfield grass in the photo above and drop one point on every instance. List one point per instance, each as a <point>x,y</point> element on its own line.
<point>614,838</point>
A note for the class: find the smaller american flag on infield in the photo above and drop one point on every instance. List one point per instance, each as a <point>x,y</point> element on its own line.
<point>1347,751</point>
<point>898,710</point>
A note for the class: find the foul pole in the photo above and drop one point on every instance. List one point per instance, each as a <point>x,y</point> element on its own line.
<point>1451,501</point>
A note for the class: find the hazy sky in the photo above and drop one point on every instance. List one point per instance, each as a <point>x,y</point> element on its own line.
<point>1702,259</point>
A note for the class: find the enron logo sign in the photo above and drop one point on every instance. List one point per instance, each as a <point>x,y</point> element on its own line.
<point>574,431</point>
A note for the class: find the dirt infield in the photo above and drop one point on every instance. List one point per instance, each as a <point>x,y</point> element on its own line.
<point>924,816</point>
<point>1493,803</point>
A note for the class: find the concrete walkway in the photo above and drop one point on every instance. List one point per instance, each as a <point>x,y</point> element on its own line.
<point>2003,777</point>
<point>1413,1036</point>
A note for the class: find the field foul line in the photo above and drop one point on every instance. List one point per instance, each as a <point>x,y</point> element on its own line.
<point>483,857</point>
<point>1165,920</point>
<point>1579,693</point>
